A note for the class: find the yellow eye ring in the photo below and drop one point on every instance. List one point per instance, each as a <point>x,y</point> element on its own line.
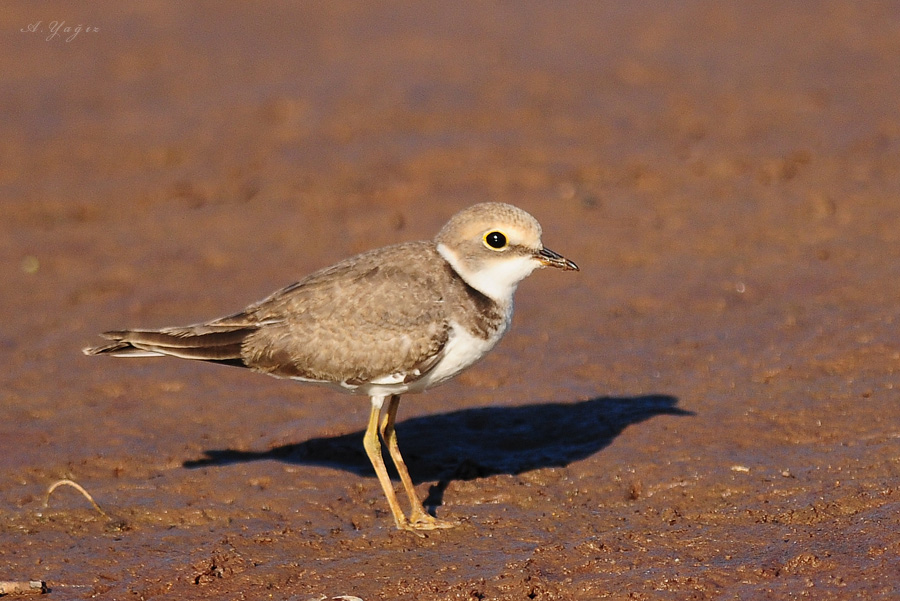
<point>495,240</point>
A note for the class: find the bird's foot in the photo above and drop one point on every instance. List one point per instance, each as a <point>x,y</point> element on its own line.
<point>419,520</point>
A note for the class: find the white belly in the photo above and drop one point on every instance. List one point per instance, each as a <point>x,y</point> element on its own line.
<point>462,350</point>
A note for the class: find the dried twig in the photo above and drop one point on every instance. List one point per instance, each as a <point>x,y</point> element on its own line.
<point>12,587</point>
<point>77,487</point>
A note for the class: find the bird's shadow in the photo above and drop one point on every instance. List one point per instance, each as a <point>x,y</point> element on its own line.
<point>474,443</point>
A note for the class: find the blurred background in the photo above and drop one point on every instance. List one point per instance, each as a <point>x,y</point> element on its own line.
<point>725,174</point>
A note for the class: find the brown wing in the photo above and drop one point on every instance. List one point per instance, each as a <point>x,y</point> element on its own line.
<point>375,315</point>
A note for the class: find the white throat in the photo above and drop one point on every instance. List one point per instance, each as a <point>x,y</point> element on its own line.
<point>497,279</point>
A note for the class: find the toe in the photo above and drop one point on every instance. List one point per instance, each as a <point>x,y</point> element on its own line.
<point>424,521</point>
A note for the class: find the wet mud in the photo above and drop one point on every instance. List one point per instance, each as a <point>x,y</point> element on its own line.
<point>706,411</point>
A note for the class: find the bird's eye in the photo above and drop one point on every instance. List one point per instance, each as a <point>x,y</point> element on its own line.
<point>495,240</point>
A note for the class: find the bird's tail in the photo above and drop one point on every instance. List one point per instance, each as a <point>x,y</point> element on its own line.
<point>207,342</point>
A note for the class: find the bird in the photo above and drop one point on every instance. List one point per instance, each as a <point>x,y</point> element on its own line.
<point>399,319</point>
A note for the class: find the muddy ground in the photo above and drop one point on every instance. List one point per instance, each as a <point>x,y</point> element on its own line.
<point>706,411</point>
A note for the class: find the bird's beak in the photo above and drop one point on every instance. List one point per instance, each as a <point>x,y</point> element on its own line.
<point>548,258</point>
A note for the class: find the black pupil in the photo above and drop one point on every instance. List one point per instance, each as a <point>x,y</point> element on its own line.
<point>496,240</point>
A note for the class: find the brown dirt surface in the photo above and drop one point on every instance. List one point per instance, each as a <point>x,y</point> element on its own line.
<point>706,411</point>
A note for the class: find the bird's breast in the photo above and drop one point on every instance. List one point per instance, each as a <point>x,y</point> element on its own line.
<point>463,348</point>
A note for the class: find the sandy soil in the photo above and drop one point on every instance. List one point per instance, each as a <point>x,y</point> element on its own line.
<point>706,411</point>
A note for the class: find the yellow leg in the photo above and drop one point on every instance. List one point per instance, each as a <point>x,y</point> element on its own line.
<point>373,450</point>
<point>419,519</point>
